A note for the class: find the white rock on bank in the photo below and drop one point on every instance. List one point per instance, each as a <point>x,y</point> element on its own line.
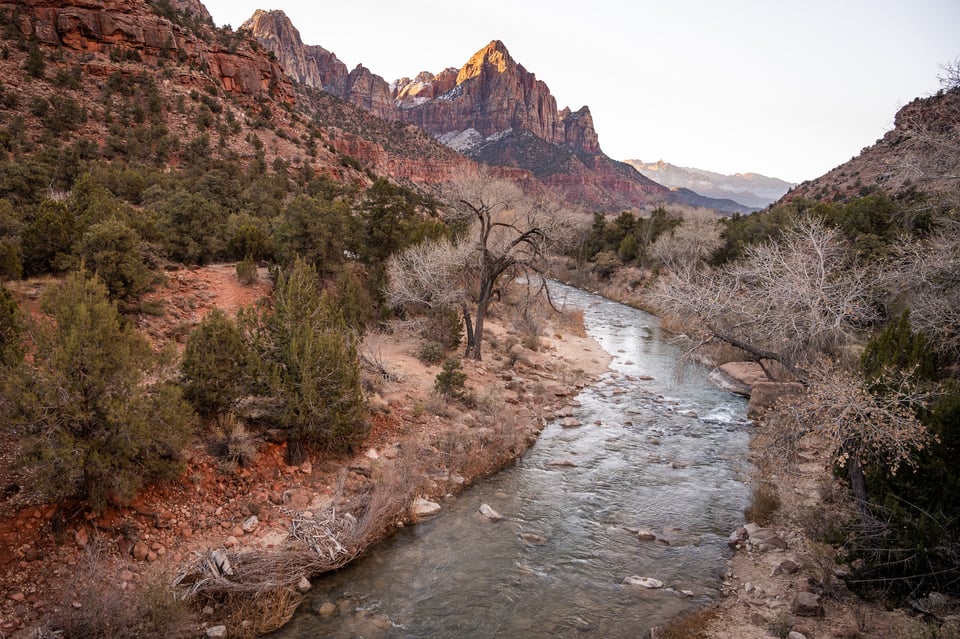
<point>423,508</point>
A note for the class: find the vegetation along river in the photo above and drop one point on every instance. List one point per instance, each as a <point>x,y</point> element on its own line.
<point>655,452</point>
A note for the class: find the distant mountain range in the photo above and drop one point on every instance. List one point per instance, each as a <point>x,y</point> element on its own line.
<point>750,189</point>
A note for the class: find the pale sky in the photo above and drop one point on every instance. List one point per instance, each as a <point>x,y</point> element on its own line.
<point>786,89</point>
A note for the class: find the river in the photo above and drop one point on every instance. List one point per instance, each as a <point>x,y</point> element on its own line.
<point>656,452</point>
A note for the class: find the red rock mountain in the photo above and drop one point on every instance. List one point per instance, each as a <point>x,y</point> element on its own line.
<point>102,26</point>
<point>491,109</point>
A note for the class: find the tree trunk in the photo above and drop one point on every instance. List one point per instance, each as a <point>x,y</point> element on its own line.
<point>295,453</point>
<point>468,324</point>
<point>858,485</point>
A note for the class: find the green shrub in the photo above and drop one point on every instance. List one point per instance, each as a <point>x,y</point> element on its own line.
<point>431,352</point>
<point>247,271</point>
<point>450,382</point>
<point>214,365</point>
<point>309,364</point>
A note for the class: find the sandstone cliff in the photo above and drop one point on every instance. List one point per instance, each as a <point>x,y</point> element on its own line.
<point>491,95</point>
<point>125,28</point>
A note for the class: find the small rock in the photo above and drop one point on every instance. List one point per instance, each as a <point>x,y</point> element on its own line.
<point>327,609</point>
<point>532,538</point>
<point>568,463</point>
<point>81,537</point>
<point>786,567</point>
<point>250,524</point>
<point>304,585</point>
<point>372,453</point>
<point>231,542</point>
<point>490,513</point>
<point>140,551</point>
<point>645,582</point>
<point>806,604</point>
<point>127,575</point>
<point>646,535</point>
<point>306,467</point>
<point>570,422</point>
<point>216,632</point>
<point>18,597</point>
<point>758,619</point>
<point>738,536</point>
<point>796,635</point>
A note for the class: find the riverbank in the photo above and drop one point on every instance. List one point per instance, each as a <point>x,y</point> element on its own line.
<point>795,586</point>
<point>95,570</point>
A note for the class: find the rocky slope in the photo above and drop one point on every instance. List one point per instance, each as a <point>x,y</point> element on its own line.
<point>921,152</point>
<point>125,29</point>
<point>749,189</point>
<point>491,109</point>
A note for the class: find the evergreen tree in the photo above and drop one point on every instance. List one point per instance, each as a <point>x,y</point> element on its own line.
<point>309,363</point>
<point>93,427</point>
<point>11,328</point>
<point>214,365</point>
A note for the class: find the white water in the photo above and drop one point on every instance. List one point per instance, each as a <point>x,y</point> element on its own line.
<point>663,454</point>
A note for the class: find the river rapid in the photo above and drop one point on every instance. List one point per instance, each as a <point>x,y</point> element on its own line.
<point>656,452</point>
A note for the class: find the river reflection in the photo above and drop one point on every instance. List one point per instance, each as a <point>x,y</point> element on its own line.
<point>655,452</point>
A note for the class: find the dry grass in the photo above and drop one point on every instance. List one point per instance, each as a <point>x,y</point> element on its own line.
<point>693,626</point>
<point>97,609</point>
<point>764,503</point>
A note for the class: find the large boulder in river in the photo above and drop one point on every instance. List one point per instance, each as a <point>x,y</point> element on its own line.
<point>738,377</point>
<point>749,378</point>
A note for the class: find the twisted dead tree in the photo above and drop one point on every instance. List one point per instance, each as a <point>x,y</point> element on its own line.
<point>509,236</point>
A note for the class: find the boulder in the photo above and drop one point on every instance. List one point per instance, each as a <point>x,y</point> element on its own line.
<point>786,567</point>
<point>738,377</point>
<point>643,582</point>
<point>765,539</point>
<point>490,513</point>
<point>216,632</point>
<point>423,509</point>
<point>738,536</point>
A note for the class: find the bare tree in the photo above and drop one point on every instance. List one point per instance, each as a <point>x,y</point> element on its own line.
<point>858,425</point>
<point>687,245</point>
<point>950,74</point>
<point>788,301</point>
<point>509,236</point>
<point>925,276</point>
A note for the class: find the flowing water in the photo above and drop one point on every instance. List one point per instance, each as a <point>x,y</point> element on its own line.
<point>655,452</point>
